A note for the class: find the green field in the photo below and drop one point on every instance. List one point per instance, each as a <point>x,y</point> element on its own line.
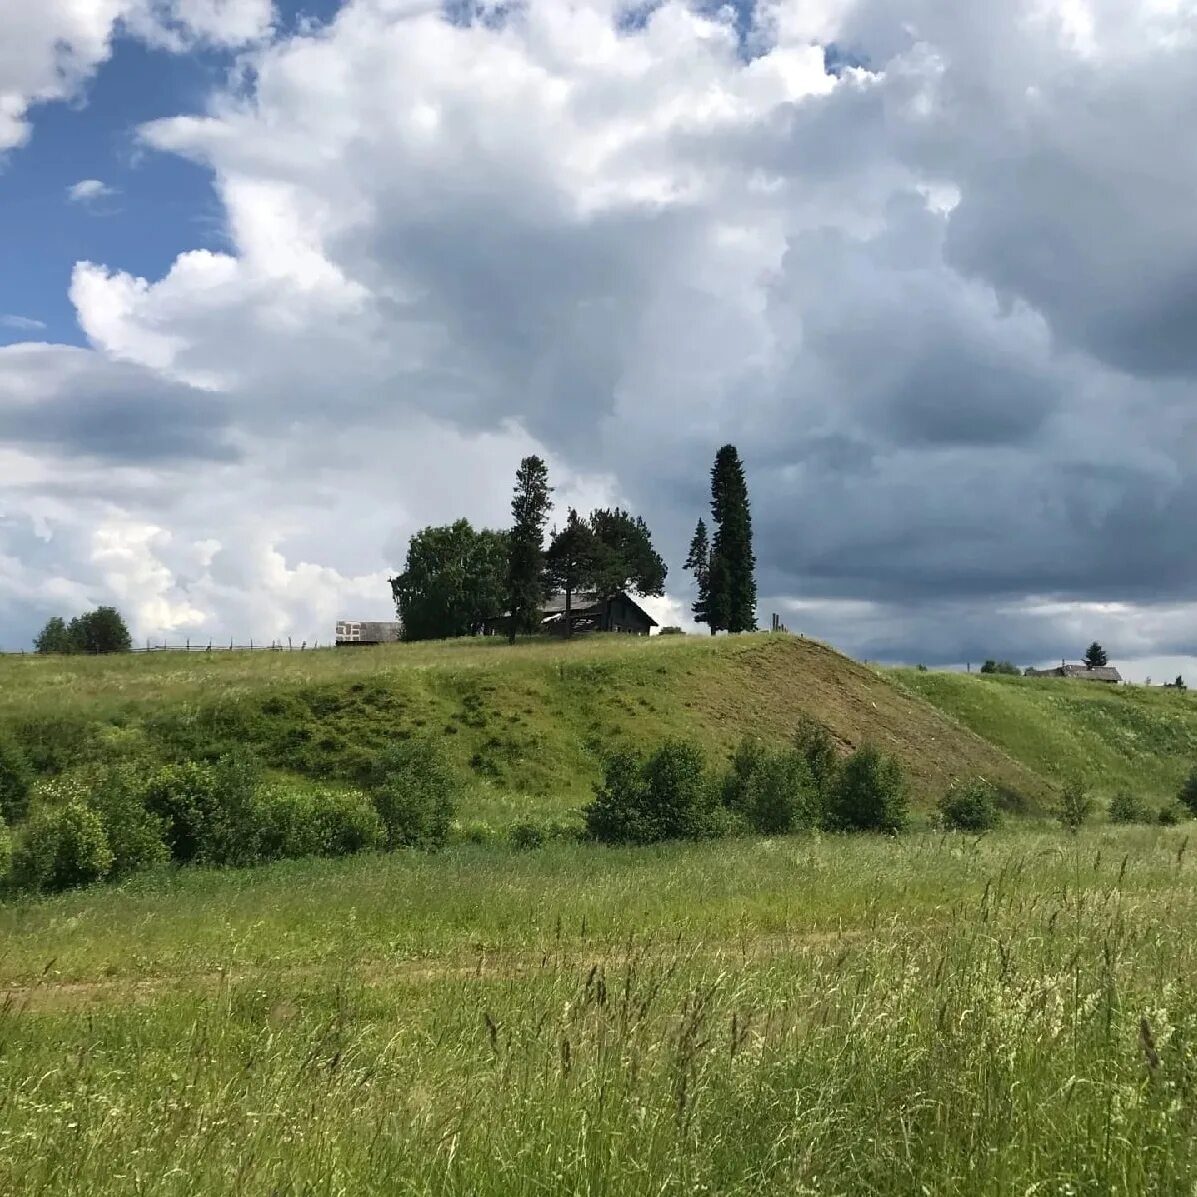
<point>932,1013</point>
<point>1114,737</point>
<point>840,1016</point>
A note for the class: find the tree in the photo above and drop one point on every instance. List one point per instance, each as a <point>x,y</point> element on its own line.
<point>453,580</point>
<point>572,562</point>
<point>625,558</point>
<point>732,596</point>
<point>530,506</point>
<point>1005,667</point>
<point>101,631</point>
<point>54,637</point>
<point>698,562</point>
<point>1095,656</point>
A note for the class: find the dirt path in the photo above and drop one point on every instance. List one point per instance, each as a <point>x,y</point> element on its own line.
<point>50,996</point>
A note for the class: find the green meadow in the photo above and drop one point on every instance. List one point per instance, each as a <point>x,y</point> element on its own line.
<point>931,1014</point>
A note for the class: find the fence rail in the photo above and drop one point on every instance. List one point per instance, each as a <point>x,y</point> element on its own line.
<point>204,646</point>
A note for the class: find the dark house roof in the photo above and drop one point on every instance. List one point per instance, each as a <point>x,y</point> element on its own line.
<point>1098,673</point>
<point>588,612</point>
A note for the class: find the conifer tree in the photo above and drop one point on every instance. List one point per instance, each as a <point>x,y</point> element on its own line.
<point>530,506</point>
<point>699,564</point>
<point>573,561</point>
<point>1095,656</point>
<point>732,585</point>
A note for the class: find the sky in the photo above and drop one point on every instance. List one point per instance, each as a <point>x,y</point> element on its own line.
<point>282,283</point>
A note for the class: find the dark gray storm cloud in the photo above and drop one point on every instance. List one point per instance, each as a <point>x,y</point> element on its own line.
<point>81,405</point>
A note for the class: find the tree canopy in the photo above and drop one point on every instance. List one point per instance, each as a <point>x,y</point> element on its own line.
<point>530,506</point>
<point>625,557</point>
<point>453,580</point>
<point>730,599</point>
<point>1095,656</point>
<point>698,562</point>
<point>572,562</point>
<point>100,631</point>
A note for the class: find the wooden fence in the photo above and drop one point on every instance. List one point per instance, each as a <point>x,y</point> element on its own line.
<point>209,646</point>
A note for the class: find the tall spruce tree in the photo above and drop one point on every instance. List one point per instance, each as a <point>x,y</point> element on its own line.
<point>732,593</point>
<point>1095,656</point>
<point>572,562</point>
<point>698,562</point>
<point>530,506</point>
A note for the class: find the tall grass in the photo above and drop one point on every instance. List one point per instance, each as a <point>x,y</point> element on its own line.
<point>834,1016</point>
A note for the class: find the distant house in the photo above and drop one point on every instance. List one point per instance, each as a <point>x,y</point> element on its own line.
<point>1085,673</point>
<point>354,632</point>
<point>588,613</point>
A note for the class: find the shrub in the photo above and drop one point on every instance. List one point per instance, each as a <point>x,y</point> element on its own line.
<point>209,811</point>
<point>415,793</point>
<point>1170,814</point>
<point>5,854</point>
<point>970,806</point>
<point>664,797</point>
<point>868,794</point>
<point>1125,807</point>
<point>527,834</point>
<point>16,780</point>
<point>772,792</point>
<point>135,834</point>
<point>1004,667</point>
<point>1188,793</point>
<point>746,761</point>
<point>61,847</point>
<point>294,823</point>
<point>1075,805</point>
<point>816,745</point>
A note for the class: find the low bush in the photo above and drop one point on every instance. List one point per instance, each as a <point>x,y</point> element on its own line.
<point>1075,805</point>
<point>209,811</point>
<point>415,792</point>
<point>1188,793</point>
<point>136,835</point>
<point>16,780</point>
<point>296,822</point>
<point>868,794</point>
<point>1171,813</point>
<point>817,747</point>
<point>61,847</point>
<point>527,834</point>
<point>665,796</point>
<point>5,854</point>
<point>1125,807</point>
<point>970,806</point>
<point>773,792</point>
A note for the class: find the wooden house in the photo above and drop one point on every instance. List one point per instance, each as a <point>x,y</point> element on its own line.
<point>358,632</point>
<point>588,613</point>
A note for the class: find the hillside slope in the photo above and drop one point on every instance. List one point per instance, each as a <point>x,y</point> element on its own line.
<point>529,723</point>
<point>1114,737</point>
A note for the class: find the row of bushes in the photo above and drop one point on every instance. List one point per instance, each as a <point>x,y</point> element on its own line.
<point>114,820</point>
<point>673,793</point>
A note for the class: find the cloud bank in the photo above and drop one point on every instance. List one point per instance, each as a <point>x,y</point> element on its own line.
<point>941,299</point>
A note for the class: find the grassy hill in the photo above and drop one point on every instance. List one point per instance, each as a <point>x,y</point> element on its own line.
<point>529,723</point>
<point>1115,737</point>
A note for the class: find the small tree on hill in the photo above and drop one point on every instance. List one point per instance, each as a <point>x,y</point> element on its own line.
<point>54,637</point>
<point>1095,656</point>
<point>530,506</point>
<point>624,555</point>
<point>698,562</point>
<point>572,562</point>
<point>732,597</point>
<point>454,579</point>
